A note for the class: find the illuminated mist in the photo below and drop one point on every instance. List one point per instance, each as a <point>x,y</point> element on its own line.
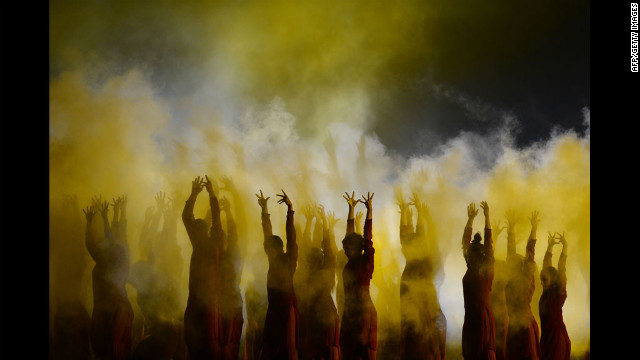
<point>281,96</point>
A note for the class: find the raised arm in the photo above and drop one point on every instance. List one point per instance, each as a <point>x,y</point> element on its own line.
<point>352,204</point>
<point>309,214</point>
<point>562,262</point>
<point>531,243</point>
<point>358,222</point>
<point>116,213</point>
<point>512,219</point>
<point>329,228</point>
<point>216,222</point>
<point>187,213</point>
<point>232,231</point>
<point>548,255</point>
<point>122,229</point>
<point>90,239</point>
<point>369,251</point>
<point>488,236</point>
<point>316,241</point>
<point>104,210</point>
<point>468,229</point>
<point>292,246</point>
<point>415,201</point>
<point>266,220</point>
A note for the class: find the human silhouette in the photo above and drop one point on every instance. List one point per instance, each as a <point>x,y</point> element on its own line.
<point>554,340</point>
<point>282,322</point>
<point>202,320</point>
<point>230,297</point>
<point>112,317</point>
<point>498,299</point>
<point>359,326</point>
<point>423,325</point>
<point>155,291</point>
<point>523,340</point>
<point>478,329</point>
<point>323,321</point>
<point>341,261</point>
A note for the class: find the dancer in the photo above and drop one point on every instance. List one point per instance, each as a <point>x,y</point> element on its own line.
<point>323,321</point>
<point>202,321</point>
<point>281,326</point>
<point>554,340</point>
<point>359,327</point>
<point>230,298</point>
<point>523,340</point>
<point>478,329</point>
<point>423,325</point>
<point>112,317</point>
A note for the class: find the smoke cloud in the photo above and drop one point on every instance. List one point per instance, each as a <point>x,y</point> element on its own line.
<point>283,96</point>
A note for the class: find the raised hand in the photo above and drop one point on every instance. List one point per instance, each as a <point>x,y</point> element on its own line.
<point>262,201</point>
<point>89,211</point>
<point>284,199</point>
<point>225,205</point>
<point>208,184</point>
<point>497,229</point>
<point>96,200</point>
<point>351,199</point>
<point>116,204</point>
<point>367,200</point>
<point>160,200</point>
<point>196,186</point>
<point>512,218</point>
<point>534,219</point>
<point>104,208</point>
<point>472,211</point>
<point>485,208</point>
<point>359,217</point>
<point>561,239</point>
<point>123,201</point>
<point>320,211</point>
<point>415,200</point>
<point>308,212</point>
<point>227,182</point>
<point>331,218</point>
<point>551,239</point>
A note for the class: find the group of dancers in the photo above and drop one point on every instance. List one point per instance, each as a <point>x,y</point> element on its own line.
<point>302,320</point>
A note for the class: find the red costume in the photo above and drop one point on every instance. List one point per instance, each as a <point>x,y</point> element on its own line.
<point>478,330</point>
<point>359,328</point>
<point>281,326</point>
<point>554,341</point>
<point>523,335</point>
<point>202,321</point>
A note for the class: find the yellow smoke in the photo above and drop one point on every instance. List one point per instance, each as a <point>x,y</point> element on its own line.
<point>270,83</point>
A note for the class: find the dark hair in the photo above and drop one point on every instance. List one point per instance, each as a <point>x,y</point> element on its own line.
<point>477,238</point>
<point>553,274</point>
<point>276,242</point>
<point>353,240</point>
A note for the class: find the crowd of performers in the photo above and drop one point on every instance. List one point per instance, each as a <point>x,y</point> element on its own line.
<point>498,321</point>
